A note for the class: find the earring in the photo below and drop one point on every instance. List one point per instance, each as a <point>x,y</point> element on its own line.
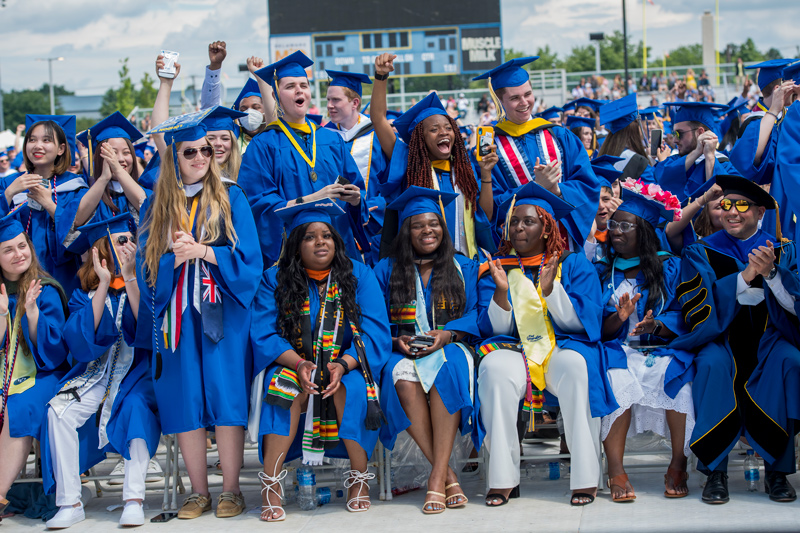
<point>545,237</point>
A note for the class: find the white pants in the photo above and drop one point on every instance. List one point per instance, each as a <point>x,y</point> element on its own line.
<point>64,449</point>
<point>501,385</point>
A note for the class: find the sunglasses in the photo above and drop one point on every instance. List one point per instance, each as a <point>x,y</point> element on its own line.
<point>742,206</point>
<point>123,239</point>
<point>623,227</point>
<point>679,133</point>
<point>191,153</point>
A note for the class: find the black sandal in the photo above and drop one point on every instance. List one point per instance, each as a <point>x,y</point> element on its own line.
<point>581,495</point>
<point>496,495</point>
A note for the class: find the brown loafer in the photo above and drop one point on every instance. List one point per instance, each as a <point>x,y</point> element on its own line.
<point>230,504</point>
<point>194,506</point>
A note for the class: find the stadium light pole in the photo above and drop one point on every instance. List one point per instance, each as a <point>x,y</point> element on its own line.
<point>597,37</point>
<point>625,44</point>
<point>50,65</point>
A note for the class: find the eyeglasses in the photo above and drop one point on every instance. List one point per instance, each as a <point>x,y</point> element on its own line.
<point>191,153</point>
<point>679,133</point>
<point>742,206</point>
<point>122,239</point>
<point>623,227</point>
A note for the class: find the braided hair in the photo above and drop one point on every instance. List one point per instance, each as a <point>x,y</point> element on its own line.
<point>419,164</point>
<point>553,246</point>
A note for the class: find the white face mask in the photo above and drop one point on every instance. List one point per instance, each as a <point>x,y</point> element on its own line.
<point>253,120</point>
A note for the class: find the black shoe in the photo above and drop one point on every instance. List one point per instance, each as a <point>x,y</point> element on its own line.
<point>716,489</point>
<point>779,488</point>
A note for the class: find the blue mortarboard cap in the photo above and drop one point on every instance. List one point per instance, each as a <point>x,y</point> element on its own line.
<point>792,72</point>
<point>323,210</point>
<point>732,112</point>
<point>667,127</point>
<point>427,107</point>
<point>351,80</point>
<point>188,127</point>
<point>509,74</point>
<point>67,123</point>
<point>594,105</point>
<point>393,115</point>
<point>418,200</point>
<point>112,127</point>
<point>605,168</point>
<point>650,210</point>
<point>10,226</point>
<point>294,65</point>
<point>770,70</point>
<point>618,114</point>
<point>221,119</point>
<point>97,230</point>
<point>569,105</point>
<point>702,112</point>
<point>534,194</point>
<point>650,113</point>
<point>551,113</point>
<point>3,153</point>
<point>316,119</point>
<point>580,122</point>
<point>250,89</point>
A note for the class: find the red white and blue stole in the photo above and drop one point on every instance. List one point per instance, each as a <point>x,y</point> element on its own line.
<point>514,162</point>
<point>180,298</point>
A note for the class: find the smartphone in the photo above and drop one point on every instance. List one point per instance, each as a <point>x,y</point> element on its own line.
<point>485,141</point>
<point>421,341</point>
<point>164,517</point>
<point>341,180</point>
<point>169,70</point>
<point>656,138</point>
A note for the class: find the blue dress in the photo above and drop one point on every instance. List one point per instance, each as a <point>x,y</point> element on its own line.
<point>268,345</point>
<point>49,234</point>
<point>133,413</point>
<point>747,360</point>
<point>453,380</point>
<point>27,410</point>
<point>579,184</point>
<point>201,383</point>
<point>273,173</point>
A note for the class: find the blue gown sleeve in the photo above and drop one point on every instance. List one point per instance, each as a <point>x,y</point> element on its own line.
<point>265,336</point>
<point>579,279</point>
<point>85,344</point>
<point>239,267</point>
<point>579,186</point>
<point>51,349</point>
<point>786,181</point>
<point>468,322</point>
<point>374,327</point>
<point>391,185</point>
<point>743,154</point>
<point>671,175</point>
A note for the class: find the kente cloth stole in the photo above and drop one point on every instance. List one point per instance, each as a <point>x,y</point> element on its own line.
<point>465,211</point>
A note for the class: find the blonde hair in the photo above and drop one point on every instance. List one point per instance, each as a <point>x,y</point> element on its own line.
<point>34,272</point>
<point>167,212</point>
<point>231,167</point>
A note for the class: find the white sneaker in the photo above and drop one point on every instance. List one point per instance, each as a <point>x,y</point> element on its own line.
<point>132,515</point>
<point>66,516</point>
<point>119,470</point>
<point>154,472</point>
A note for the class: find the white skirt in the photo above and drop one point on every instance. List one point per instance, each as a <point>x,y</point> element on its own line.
<point>641,388</point>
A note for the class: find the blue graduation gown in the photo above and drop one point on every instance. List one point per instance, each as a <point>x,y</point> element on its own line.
<point>743,153</point>
<point>134,412</point>
<point>273,173</point>
<point>786,182</point>
<point>27,410</point>
<point>48,233</point>
<point>579,279</point>
<point>680,370</point>
<point>201,383</point>
<point>453,380</point>
<point>736,344</point>
<point>671,174</point>
<point>579,184</point>
<point>268,345</point>
<point>395,183</point>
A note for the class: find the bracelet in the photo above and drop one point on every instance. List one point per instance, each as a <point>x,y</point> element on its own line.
<point>4,314</point>
<point>206,253</point>
<point>300,362</point>
<point>130,279</point>
<point>484,181</point>
<point>773,114</point>
<point>344,365</point>
<point>381,77</point>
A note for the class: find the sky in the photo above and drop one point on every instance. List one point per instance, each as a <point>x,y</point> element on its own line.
<point>93,35</point>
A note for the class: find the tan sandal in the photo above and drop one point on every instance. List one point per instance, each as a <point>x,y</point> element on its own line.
<point>461,494</point>
<point>678,479</point>
<point>429,502</point>
<point>620,481</point>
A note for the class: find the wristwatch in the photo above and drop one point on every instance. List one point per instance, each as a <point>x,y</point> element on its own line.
<point>658,328</point>
<point>453,337</point>
<point>381,77</point>
<point>772,274</point>
<point>299,200</point>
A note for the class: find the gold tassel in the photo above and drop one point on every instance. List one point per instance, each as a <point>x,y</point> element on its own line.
<point>778,234</point>
<point>508,217</point>
<point>501,111</point>
<point>91,156</point>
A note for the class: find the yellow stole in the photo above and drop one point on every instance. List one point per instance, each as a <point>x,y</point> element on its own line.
<point>24,375</point>
<point>516,130</point>
<point>469,210</point>
<point>533,323</point>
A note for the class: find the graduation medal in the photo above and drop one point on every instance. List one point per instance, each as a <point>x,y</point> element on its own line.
<point>311,162</point>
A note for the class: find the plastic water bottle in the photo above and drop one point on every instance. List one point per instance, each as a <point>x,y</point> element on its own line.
<point>554,469</point>
<point>306,488</point>
<point>751,473</point>
<point>325,495</point>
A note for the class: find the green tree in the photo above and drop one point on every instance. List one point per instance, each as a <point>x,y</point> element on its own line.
<point>17,103</point>
<point>548,59</point>
<point>691,54</point>
<point>146,96</point>
<point>581,59</point>
<point>510,53</point>
<point>109,103</point>
<point>122,99</point>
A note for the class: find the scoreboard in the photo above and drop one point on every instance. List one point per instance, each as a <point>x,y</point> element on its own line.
<point>450,37</point>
